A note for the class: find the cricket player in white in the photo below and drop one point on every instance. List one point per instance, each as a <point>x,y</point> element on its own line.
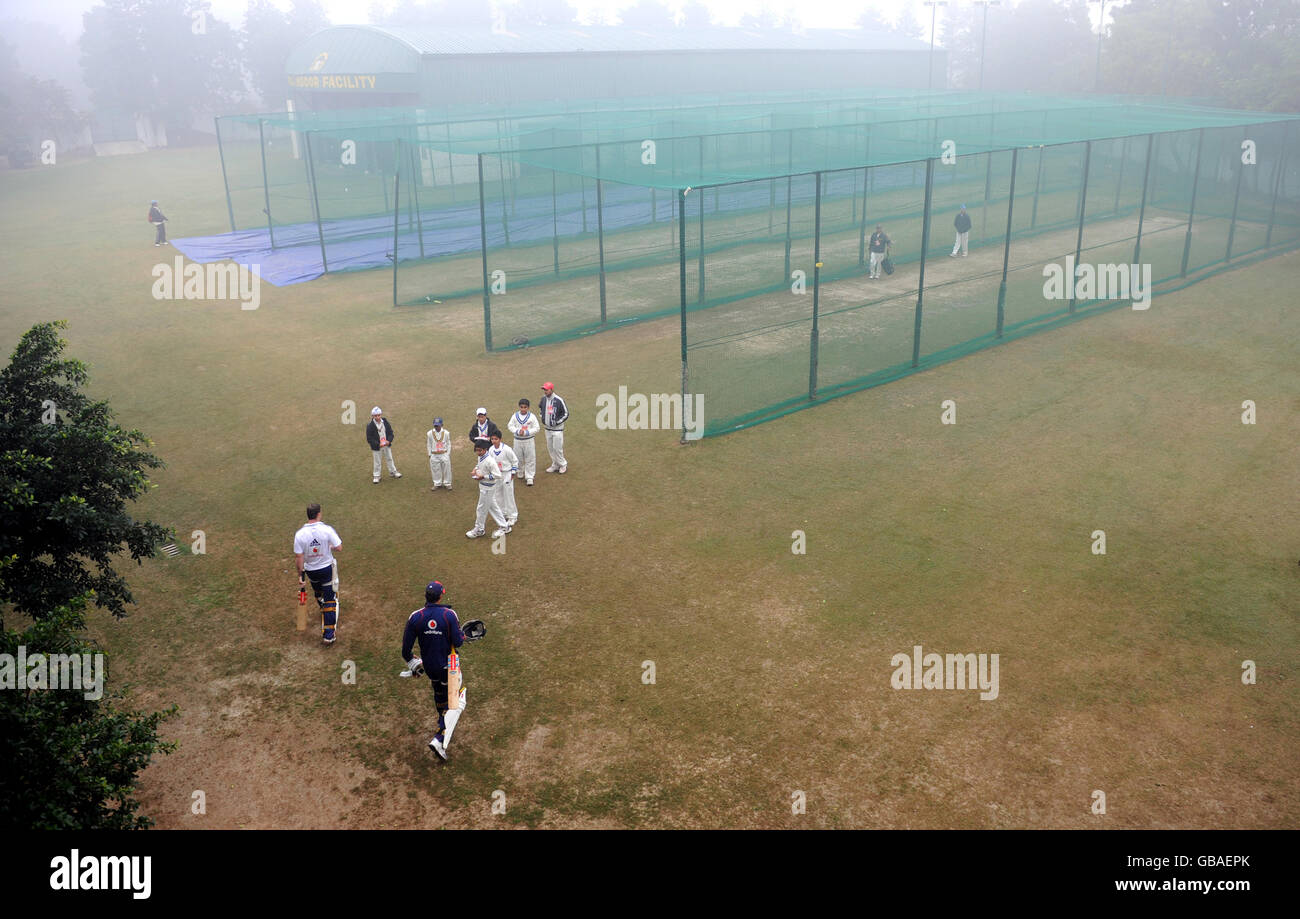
<point>554,412</point>
<point>488,475</point>
<point>509,464</point>
<point>525,425</point>
<point>314,545</point>
<point>439,447</point>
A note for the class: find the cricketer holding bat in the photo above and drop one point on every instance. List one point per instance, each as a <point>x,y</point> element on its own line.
<point>314,545</point>
<point>437,630</point>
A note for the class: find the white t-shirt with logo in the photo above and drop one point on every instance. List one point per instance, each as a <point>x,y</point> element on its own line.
<point>316,542</point>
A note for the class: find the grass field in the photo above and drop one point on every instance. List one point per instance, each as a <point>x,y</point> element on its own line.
<point>1119,673</point>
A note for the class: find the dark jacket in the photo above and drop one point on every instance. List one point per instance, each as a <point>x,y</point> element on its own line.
<point>491,429</point>
<point>561,412</point>
<point>962,223</point>
<point>437,629</point>
<point>155,215</point>
<point>878,242</point>
<point>372,434</point>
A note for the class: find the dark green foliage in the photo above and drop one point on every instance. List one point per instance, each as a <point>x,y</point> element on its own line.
<point>64,485</point>
<point>70,762</point>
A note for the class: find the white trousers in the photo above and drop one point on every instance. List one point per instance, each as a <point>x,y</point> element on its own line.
<point>526,450</point>
<point>960,243</point>
<point>488,503</point>
<point>507,498</point>
<point>555,447</point>
<point>876,259</point>
<point>440,468</point>
<point>388,455</point>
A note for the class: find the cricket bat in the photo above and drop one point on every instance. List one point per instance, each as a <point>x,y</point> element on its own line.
<point>338,605</point>
<point>302,607</point>
<point>453,676</point>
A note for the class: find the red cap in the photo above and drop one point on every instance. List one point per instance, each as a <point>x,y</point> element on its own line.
<point>549,387</point>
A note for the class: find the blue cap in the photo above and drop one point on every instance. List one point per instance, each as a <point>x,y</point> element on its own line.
<point>437,421</point>
<point>433,591</point>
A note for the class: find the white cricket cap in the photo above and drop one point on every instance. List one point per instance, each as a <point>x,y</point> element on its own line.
<point>480,411</point>
<point>376,410</point>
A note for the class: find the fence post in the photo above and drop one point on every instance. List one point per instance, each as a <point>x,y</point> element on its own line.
<point>397,214</point>
<point>1006,248</point>
<point>482,231</point>
<point>789,180</point>
<point>230,208</point>
<point>1038,184</point>
<point>1083,210</point>
<point>1191,210</point>
<point>1236,198</point>
<point>817,266</point>
<point>266,188</point>
<point>1142,208</point>
<point>1119,185</point>
<point>315,206</point>
<point>862,230</point>
<point>700,296</point>
<point>925,245</point>
<point>1277,189</point>
<point>600,232</point>
<point>555,227</point>
<point>417,176</point>
<point>681,279</point>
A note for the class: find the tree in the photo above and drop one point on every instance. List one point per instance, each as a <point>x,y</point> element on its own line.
<point>66,473</point>
<point>905,24</point>
<point>71,756</point>
<point>31,110</point>
<point>168,59</point>
<point>1037,45</point>
<point>695,15</point>
<point>70,761</point>
<point>647,14</point>
<point>540,13</point>
<point>765,20</point>
<point>268,36</point>
<point>451,14</point>
<point>1242,53</point>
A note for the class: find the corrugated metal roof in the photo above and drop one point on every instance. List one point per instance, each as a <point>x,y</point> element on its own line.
<point>596,39</point>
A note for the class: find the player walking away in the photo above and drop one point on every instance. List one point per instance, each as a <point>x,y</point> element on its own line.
<point>436,628</point>
<point>554,412</point>
<point>158,219</point>
<point>439,446</point>
<point>380,436</point>
<point>488,475</point>
<point>509,464</point>
<point>483,426</point>
<point>524,425</point>
<point>878,246</point>
<point>962,223</point>
<point>314,545</point>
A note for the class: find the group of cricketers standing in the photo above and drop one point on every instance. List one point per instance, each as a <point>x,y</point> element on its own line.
<point>498,464</point>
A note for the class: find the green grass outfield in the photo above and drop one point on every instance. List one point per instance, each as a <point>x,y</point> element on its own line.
<point>1119,673</point>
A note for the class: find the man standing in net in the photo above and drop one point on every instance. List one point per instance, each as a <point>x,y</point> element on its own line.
<point>878,245</point>
<point>962,224</point>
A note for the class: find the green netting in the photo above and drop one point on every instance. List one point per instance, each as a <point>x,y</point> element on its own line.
<point>750,216</point>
